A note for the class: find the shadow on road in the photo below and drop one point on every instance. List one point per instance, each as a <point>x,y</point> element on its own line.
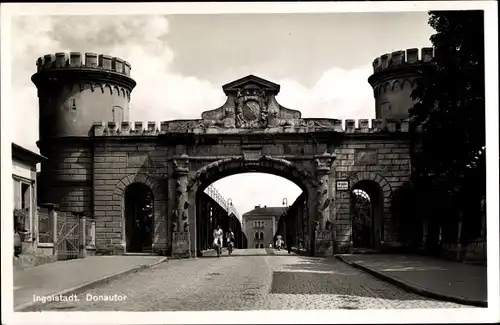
<point>312,276</point>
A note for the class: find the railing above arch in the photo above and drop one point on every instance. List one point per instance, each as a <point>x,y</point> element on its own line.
<point>217,197</point>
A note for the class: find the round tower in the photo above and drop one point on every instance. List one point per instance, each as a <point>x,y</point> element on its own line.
<point>75,91</point>
<point>394,78</point>
<point>74,94</point>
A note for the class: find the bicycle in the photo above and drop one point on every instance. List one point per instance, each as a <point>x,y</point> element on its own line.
<point>218,247</point>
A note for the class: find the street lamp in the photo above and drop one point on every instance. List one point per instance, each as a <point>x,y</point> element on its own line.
<point>285,203</point>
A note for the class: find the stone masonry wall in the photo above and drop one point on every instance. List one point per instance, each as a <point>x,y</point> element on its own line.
<point>117,164</point>
<point>384,161</point>
<point>67,175</point>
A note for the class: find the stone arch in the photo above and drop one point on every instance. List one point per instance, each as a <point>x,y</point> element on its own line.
<point>396,86</point>
<point>109,88</point>
<point>86,83</point>
<point>407,83</point>
<point>100,87</point>
<point>372,176</point>
<point>387,87</point>
<point>119,195</point>
<point>219,169</point>
<point>122,184</point>
<point>380,192</point>
<point>115,88</point>
<point>280,167</point>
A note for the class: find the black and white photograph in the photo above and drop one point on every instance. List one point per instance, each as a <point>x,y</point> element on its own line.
<point>250,162</point>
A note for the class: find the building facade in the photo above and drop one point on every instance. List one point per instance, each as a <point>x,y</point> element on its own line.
<point>260,225</point>
<point>32,224</point>
<point>98,159</point>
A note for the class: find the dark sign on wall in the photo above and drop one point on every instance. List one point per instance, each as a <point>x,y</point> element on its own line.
<point>342,185</point>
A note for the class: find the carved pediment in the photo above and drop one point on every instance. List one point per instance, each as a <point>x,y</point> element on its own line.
<point>251,104</point>
<point>251,82</point>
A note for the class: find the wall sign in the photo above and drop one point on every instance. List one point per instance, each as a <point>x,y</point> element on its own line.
<point>342,186</point>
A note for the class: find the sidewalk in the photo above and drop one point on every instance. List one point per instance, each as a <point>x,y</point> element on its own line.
<point>67,277</point>
<point>427,276</point>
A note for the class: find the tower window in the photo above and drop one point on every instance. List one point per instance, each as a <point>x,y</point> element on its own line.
<point>73,103</point>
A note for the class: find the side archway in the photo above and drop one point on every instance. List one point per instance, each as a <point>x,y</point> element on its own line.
<point>138,194</point>
<point>370,197</point>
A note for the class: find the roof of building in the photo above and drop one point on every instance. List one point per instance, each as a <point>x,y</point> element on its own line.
<point>24,154</point>
<point>265,211</point>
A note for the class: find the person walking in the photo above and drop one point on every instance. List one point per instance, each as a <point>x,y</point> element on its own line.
<point>230,241</point>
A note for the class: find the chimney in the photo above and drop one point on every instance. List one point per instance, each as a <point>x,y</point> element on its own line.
<point>257,206</point>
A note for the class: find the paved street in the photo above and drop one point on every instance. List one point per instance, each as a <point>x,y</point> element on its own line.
<point>248,281</point>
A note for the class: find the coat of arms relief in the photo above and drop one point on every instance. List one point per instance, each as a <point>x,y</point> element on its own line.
<point>251,108</point>
<point>251,104</point>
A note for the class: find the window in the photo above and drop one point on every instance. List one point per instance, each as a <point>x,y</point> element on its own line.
<point>256,235</point>
<point>256,245</point>
<point>261,224</point>
<point>23,197</point>
<point>261,235</point>
<point>261,245</point>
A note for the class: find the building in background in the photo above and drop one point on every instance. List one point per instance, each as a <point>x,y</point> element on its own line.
<point>260,225</point>
<point>26,217</point>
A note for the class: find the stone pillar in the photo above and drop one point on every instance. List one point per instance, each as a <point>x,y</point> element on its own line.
<point>323,232</point>
<point>181,239</point>
<point>52,214</point>
<point>82,250</point>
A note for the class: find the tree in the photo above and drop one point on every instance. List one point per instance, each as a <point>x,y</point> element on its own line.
<point>450,110</point>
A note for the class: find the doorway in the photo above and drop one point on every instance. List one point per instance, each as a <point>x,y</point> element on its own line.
<point>366,215</point>
<point>139,218</point>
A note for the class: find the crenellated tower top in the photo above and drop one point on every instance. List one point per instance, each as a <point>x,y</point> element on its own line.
<point>394,78</point>
<point>401,59</point>
<point>75,89</point>
<point>75,60</point>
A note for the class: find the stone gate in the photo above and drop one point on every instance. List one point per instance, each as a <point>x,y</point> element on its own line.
<point>252,132</point>
<point>91,167</point>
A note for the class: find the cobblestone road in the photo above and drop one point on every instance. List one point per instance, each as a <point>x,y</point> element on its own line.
<point>251,282</point>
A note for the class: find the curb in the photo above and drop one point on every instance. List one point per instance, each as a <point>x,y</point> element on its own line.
<point>414,288</point>
<point>31,306</point>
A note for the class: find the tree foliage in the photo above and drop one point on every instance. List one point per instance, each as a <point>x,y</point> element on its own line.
<point>450,109</point>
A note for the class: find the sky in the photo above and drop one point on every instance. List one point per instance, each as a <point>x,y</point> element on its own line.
<point>180,62</point>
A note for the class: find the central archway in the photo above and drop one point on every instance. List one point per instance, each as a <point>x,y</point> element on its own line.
<point>228,167</point>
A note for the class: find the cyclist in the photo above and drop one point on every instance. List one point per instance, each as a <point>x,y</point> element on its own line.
<point>218,234</point>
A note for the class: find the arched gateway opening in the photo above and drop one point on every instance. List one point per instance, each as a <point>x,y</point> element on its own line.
<point>138,218</point>
<point>207,217</point>
<point>367,212</point>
